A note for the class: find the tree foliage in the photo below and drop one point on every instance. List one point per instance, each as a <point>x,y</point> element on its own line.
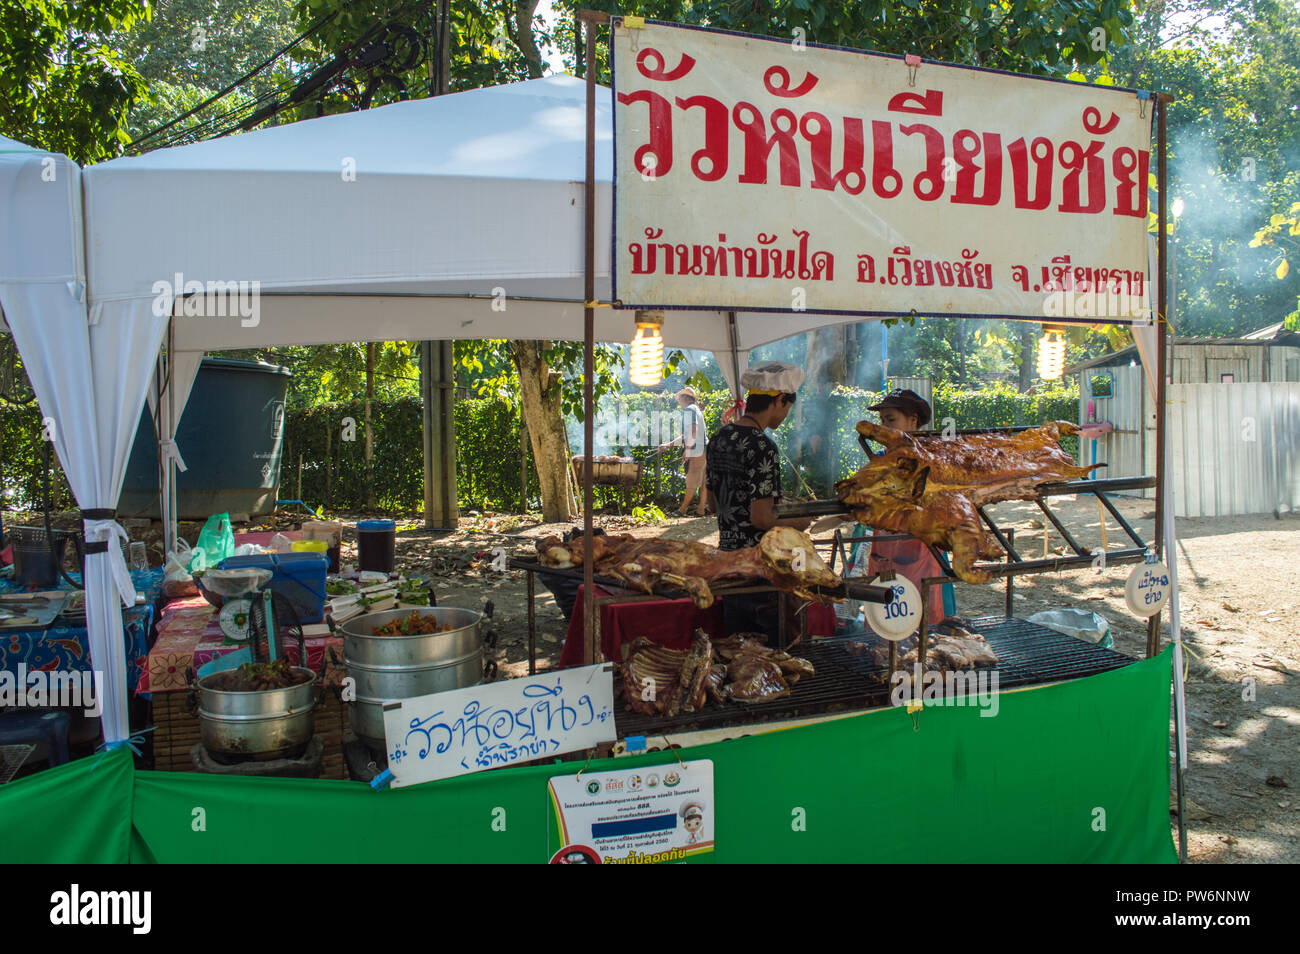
<point>64,84</point>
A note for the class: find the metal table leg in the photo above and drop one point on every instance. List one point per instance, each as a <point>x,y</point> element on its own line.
<point>532,625</point>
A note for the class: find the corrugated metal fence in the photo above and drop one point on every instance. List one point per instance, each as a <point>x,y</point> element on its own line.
<point>1235,448</point>
<point>1123,449</point>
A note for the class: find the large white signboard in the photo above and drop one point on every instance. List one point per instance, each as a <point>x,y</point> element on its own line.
<point>500,723</point>
<point>755,173</point>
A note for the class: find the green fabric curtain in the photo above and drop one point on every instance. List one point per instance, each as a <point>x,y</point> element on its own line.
<point>1076,772</point>
<point>78,813</point>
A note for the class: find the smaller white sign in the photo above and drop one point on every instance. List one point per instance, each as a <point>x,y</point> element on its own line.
<point>655,814</point>
<point>900,617</point>
<point>499,723</point>
<point>1148,589</point>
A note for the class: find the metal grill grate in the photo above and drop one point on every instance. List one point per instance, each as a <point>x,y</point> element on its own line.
<point>12,758</point>
<point>1027,655</point>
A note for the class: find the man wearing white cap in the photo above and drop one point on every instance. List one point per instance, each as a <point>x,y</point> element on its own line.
<point>744,481</point>
<point>693,441</point>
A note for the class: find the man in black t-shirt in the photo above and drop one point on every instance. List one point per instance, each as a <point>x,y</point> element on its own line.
<point>744,480</point>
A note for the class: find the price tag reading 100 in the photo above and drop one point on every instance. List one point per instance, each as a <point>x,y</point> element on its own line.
<point>898,618</point>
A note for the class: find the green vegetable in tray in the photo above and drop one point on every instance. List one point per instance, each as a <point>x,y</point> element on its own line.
<point>341,588</point>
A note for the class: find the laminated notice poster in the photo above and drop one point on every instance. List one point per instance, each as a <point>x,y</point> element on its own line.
<point>651,815</point>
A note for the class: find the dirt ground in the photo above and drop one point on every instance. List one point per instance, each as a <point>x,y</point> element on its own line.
<point>1239,579</point>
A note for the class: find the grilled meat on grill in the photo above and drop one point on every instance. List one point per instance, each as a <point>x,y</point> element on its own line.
<point>713,683</point>
<point>755,678</point>
<point>659,681</point>
<point>929,487</point>
<point>695,671</point>
<point>784,557</point>
<point>651,676</point>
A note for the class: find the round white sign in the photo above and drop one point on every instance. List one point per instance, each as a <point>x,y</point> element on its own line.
<point>1148,589</point>
<point>899,618</point>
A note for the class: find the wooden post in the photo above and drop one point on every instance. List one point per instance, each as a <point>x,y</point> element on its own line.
<point>590,648</point>
<point>523,461</point>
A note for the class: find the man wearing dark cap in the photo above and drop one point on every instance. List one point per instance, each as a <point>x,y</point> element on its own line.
<point>906,410</point>
<point>903,410</point>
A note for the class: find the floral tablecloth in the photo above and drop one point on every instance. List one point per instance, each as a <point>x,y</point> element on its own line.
<point>67,648</point>
<point>189,636</point>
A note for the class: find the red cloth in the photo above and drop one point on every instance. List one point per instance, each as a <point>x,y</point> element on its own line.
<point>669,623</point>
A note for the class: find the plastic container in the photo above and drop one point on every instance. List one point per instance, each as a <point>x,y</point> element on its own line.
<point>308,546</point>
<point>231,434</point>
<point>299,577</point>
<point>34,562</point>
<point>331,531</point>
<point>376,545</point>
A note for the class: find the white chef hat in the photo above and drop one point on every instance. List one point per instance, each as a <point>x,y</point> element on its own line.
<point>772,377</point>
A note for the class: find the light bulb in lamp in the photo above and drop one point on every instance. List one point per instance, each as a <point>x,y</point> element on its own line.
<point>1051,353</point>
<point>647,367</point>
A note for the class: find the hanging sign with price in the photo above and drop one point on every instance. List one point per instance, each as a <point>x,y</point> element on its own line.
<point>1148,589</point>
<point>898,618</point>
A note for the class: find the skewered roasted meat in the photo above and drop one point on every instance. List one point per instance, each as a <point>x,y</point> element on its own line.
<point>784,557</point>
<point>929,487</point>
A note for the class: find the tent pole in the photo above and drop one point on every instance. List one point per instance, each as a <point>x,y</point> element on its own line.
<point>437,372</point>
<point>169,463</point>
<point>589,335</point>
<point>1167,553</point>
<point>734,337</point>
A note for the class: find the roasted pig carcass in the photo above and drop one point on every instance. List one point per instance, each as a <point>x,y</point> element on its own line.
<point>784,557</point>
<point>929,487</point>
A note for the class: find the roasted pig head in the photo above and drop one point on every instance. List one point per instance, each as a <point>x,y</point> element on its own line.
<point>929,487</point>
<point>793,563</point>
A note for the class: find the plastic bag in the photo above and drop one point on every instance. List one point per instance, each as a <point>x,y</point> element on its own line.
<point>217,540</point>
<point>177,581</point>
<point>1080,624</point>
<point>280,544</point>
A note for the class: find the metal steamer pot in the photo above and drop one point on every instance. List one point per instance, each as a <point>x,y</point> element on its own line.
<point>387,668</point>
<point>259,725</point>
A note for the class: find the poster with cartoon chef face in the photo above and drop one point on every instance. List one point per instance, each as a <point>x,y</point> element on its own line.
<point>648,815</point>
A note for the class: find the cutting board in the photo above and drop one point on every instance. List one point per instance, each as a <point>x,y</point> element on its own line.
<point>30,611</point>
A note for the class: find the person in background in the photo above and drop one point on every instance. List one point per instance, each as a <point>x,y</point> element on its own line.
<point>693,441</point>
<point>907,411</point>
<point>744,482</point>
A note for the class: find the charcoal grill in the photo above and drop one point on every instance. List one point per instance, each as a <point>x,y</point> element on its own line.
<point>1028,655</point>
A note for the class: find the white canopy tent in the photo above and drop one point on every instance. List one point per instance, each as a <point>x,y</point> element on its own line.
<point>454,217</point>
<point>91,406</point>
<point>457,216</point>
